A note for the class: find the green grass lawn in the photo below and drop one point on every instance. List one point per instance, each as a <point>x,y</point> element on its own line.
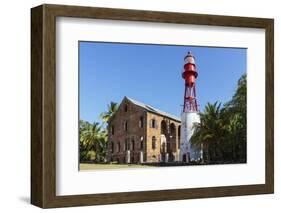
<point>96,166</point>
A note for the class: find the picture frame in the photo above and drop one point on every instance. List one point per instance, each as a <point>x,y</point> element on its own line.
<point>43,105</point>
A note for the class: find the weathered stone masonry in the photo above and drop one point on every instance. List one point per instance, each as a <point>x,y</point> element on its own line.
<point>139,133</point>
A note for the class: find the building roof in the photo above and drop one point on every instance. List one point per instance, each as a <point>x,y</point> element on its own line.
<point>153,109</point>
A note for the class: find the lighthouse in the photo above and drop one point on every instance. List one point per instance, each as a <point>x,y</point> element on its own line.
<point>190,111</point>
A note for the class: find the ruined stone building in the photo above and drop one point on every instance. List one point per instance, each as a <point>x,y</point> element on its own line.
<point>139,133</point>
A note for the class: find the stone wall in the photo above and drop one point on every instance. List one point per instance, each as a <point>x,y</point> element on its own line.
<point>129,136</point>
<point>162,127</point>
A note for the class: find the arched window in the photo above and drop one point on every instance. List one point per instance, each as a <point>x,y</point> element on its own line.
<point>163,127</point>
<point>179,135</point>
<point>118,147</point>
<point>125,126</point>
<point>126,144</point>
<point>126,108</point>
<point>173,130</point>
<point>153,142</point>
<point>153,123</point>
<point>172,140</point>
<point>141,142</point>
<point>133,144</point>
<point>141,122</point>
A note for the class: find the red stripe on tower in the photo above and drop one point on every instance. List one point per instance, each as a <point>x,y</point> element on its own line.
<point>190,74</point>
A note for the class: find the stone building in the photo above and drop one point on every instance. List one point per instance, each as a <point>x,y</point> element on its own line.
<point>139,133</point>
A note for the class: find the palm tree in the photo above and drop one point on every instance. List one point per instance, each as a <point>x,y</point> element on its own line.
<point>90,136</point>
<point>210,131</point>
<point>236,114</point>
<point>94,137</point>
<point>105,116</point>
<point>102,146</point>
<point>111,109</point>
<point>222,131</point>
<point>234,127</point>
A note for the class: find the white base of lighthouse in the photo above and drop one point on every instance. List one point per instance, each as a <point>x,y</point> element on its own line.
<point>187,151</point>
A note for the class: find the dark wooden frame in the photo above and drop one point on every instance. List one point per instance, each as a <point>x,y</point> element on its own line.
<point>43,105</point>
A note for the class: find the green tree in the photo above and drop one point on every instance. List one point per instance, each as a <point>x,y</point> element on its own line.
<point>101,149</point>
<point>94,137</point>
<point>234,127</point>
<point>91,136</point>
<point>222,130</point>
<point>111,109</point>
<point>236,113</point>
<point>210,132</point>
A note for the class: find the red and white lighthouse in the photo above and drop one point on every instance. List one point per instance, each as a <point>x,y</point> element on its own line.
<point>190,112</point>
<point>189,75</point>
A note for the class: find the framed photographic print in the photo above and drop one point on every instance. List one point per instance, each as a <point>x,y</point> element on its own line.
<point>136,106</point>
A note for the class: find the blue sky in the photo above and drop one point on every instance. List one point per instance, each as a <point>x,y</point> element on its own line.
<point>152,74</point>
